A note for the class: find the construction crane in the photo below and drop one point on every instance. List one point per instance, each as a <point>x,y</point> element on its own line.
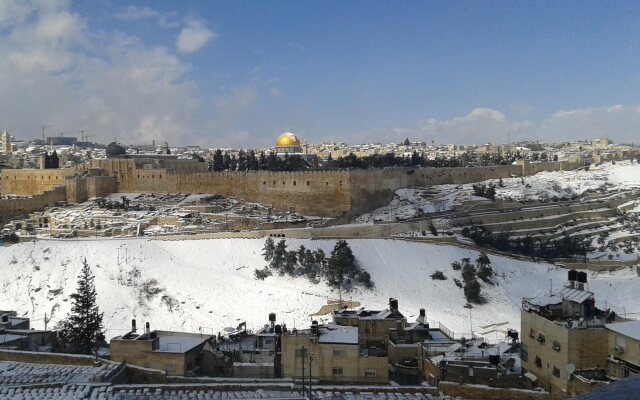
<point>43,127</point>
<point>84,137</point>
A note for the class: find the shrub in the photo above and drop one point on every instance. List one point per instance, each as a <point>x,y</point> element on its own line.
<point>262,274</point>
<point>438,275</point>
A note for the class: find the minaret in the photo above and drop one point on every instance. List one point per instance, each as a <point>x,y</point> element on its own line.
<point>5,143</point>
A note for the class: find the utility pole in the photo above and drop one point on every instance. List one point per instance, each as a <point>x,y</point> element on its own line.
<point>43,127</point>
<point>303,357</point>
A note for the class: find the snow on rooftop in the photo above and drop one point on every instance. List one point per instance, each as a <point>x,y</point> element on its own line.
<point>178,344</point>
<point>629,328</point>
<point>332,333</point>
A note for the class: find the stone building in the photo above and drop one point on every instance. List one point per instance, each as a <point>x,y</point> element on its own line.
<point>331,353</point>
<point>176,353</point>
<point>564,335</point>
<point>624,349</point>
<point>373,325</point>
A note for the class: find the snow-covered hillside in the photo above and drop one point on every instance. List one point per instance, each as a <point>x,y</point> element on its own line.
<point>210,283</point>
<point>412,202</point>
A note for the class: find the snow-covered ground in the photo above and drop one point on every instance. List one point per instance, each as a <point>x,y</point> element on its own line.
<point>412,202</point>
<point>209,284</point>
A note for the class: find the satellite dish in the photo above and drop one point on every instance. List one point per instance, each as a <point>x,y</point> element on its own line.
<point>571,368</point>
<point>510,363</point>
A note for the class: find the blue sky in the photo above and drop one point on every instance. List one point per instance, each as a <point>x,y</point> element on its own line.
<point>236,73</point>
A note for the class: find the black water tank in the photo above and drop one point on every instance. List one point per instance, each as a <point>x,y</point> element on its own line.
<point>272,317</point>
<point>494,359</point>
<point>573,275</point>
<point>513,334</point>
<point>393,304</point>
<point>133,325</point>
<point>314,328</point>
<point>423,313</point>
<point>278,329</point>
<point>582,277</point>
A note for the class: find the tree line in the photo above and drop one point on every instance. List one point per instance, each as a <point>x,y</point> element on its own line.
<point>251,161</point>
<point>340,269</point>
<point>534,247</point>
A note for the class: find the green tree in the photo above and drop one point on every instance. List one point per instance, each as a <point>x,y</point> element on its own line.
<point>218,160</point>
<point>268,249</point>
<point>82,330</point>
<point>341,264</point>
<point>472,291</point>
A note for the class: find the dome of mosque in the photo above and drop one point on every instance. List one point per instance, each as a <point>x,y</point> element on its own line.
<point>287,139</point>
<point>114,149</point>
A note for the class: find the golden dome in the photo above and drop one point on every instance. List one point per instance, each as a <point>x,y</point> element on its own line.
<point>287,139</point>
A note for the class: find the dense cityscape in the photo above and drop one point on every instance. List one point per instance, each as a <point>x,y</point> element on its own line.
<point>169,236</point>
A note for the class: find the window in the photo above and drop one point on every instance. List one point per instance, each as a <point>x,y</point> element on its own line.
<point>294,183</point>
<point>308,183</point>
<point>370,373</point>
<point>556,346</point>
<point>541,338</point>
<point>556,372</point>
<point>532,334</point>
<point>538,362</point>
<point>267,341</point>
<point>524,352</point>
<point>337,371</point>
<point>338,352</point>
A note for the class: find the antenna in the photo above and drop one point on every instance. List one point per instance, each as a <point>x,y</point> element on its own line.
<point>43,127</point>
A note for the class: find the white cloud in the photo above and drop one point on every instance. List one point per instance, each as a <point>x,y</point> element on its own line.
<point>193,37</point>
<point>620,123</point>
<point>275,92</point>
<point>483,125</point>
<point>54,72</point>
<point>133,14</point>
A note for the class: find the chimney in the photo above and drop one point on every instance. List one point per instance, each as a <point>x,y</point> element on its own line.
<point>133,325</point>
<point>147,327</point>
<point>393,304</point>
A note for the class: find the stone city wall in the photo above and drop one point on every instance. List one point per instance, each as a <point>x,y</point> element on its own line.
<point>14,207</point>
<point>29,182</point>
<point>321,193</point>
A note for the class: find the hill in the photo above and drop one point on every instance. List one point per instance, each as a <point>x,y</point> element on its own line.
<point>209,284</point>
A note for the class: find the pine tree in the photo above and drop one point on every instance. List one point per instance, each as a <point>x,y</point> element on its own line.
<point>268,249</point>
<point>82,330</point>
<point>218,160</point>
<point>55,161</point>
<point>341,264</point>
<point>279,255</point>
<point>472,291</point>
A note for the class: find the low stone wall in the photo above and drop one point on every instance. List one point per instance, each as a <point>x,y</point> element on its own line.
<point>47,358</point>
<point>22,206</point>
<point>482,392</point>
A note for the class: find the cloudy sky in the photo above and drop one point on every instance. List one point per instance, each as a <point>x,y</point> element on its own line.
<point>237,73</point>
